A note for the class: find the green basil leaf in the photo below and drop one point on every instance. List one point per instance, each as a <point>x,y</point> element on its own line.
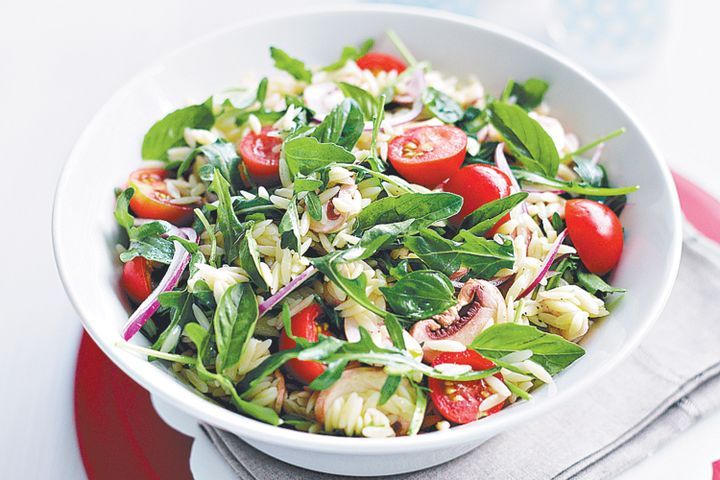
<point>234,323</point>
<point>420,294</point>
<point>169,131</point>
<point>350,53</point>
<point>378,236</point>
<point>343,125</point>
<point>529,95</point>
<point>305,155</point>
<point>528,140</point>
<point>485,217</point>
<point>291,65</point>
<point>249,259</point>
<point>366,102</point>
<point>156,248</point>
<point>595,284</point>
<point>551,351</point>
<point>442,106</point>
<point>228,223</point>
<point>482,257</point>
<point>485,155</point>
<point>312,202</point>
<point>122,209</point>
<point>307,185</point>
<point>424,208</point>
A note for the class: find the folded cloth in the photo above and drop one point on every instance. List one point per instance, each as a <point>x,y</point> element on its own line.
<point>671,380</point>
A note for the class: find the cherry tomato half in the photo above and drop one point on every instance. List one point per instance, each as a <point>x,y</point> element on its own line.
<point>136,280</point>
<point>596,232</point>
<point>152,200</point>
<point>380,62</point>
<point>478,185</point>
<point>304,325</point>
<point>261,155</point>
<point>459,401</point>
<point>428,155</point>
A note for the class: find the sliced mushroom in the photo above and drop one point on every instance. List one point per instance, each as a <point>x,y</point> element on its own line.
<point>281,391</point>
<point>361,380</point>
<point>478,304</point>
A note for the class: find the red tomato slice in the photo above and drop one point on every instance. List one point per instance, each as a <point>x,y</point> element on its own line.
<point>459,401</point>
<point>136,279</point>
<point>478,185</point>
<point>596,232</point>
<point>428,155</point>
<point>380,62</point>
<point>152,200</point>
<point>304,325</point>
<point>261,155</point>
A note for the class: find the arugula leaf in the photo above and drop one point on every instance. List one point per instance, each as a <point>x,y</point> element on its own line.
<point>350,53</point>
<point>365,101</point>
<point>571,187</point>
<point>529,142</point>
<point>594,143</point>
<point>293,66</point>
<point>442,106</point>
<point>333,351</point>
<point>180,303</point>
<point>305,155</point>
<point>146,241</point>
<point>200,337</point>
<point>420,294</point>
<point>530,94</point>
<point>483,258</point>
<point>392,382</point>
<point>289,227</point>
<point>566,265</point>
<point>424,208</point>
<point>221,156</point>
<point>262,91</point>
<point>249,259</point>
<point>343,125</point>
<point>307,185</point>
<point>234,323</point>
<point>332,374</point>
<point>230,227</point>
<point>485,217</point>
<point>551,351</point>
<point>378,236</point>
<point>595,284</point>
<point>169,131</point>
<point>314,207</point>
<point>472,121</point>
<point>122,209</point>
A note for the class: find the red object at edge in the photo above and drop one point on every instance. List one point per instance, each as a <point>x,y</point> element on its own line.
<point>121,436</point>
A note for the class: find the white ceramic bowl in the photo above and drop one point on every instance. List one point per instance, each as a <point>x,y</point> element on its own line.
<point>85,232</point>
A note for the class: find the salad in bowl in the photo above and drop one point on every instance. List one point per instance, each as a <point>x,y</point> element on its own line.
<point>369,247</point>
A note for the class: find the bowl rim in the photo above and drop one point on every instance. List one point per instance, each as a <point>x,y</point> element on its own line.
<point>252,429</point>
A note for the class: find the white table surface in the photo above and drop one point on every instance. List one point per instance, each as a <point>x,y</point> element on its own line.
<point>59,61</point>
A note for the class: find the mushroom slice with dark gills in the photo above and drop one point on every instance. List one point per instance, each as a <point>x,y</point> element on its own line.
<point>479,304</point>
<point>337,210</point>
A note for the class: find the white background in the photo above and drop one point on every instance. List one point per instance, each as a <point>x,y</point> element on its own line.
<point>59,61</point>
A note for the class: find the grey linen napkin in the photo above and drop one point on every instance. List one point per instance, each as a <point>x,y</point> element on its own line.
<point>671,380</point>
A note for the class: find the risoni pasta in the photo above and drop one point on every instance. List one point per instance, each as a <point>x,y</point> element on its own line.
<point>368,248</point>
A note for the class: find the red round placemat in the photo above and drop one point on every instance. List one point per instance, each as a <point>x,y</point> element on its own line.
<point>121,436</point>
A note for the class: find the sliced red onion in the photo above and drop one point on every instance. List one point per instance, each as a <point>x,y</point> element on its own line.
<point>273,300</point>
<point>503,165</point>
<point>546,264</point>
<point>177,266</point>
